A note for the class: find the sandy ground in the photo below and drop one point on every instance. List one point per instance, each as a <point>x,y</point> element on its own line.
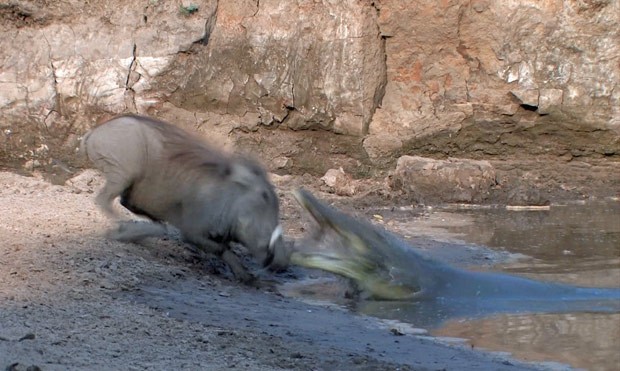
<point>71,299</point>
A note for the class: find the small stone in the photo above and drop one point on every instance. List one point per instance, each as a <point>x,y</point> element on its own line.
<point>340,183</point>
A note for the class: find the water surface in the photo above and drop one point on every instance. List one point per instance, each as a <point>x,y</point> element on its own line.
<point>577,244</point>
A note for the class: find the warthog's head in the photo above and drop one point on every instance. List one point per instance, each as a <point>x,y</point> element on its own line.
<point>257,217</point>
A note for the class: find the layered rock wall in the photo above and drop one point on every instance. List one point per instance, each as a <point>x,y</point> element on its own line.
<point>451,78</point>
<point>489,77</point>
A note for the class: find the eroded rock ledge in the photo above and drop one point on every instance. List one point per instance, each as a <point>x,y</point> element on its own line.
<point>474,79</point>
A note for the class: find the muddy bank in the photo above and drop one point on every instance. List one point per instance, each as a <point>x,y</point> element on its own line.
<point>417,180</point>
<point>71,299</point>
<point>424,180</point>
<point>435,174</point>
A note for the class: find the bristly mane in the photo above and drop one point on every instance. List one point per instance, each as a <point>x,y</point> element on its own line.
<point>187,151</point>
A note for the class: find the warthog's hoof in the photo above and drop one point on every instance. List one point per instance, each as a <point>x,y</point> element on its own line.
<point>240,272</point>
<point>246,278</point>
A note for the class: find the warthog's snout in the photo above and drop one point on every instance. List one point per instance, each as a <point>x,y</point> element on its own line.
<point>273,240</point>
<point>275,235</point>
<point>278,254</point>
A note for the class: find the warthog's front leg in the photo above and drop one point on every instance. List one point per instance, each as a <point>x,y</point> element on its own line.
<point>136,231</point>
<point>235,265</point>
<point>229,257</point>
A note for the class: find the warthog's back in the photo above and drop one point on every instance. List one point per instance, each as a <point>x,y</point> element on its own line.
<point>123,146</point>
<point>153,164</point>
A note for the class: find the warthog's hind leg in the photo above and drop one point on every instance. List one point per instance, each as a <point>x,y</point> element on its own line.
<point>106,196</point>
<point>136,231</point>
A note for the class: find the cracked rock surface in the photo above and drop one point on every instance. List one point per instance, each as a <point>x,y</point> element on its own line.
<point>463,79</point>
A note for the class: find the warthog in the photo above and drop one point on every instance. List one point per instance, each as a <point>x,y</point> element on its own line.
<point>168,175</point>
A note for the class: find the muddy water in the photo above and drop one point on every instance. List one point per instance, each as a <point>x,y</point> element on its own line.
<point>577,244</point>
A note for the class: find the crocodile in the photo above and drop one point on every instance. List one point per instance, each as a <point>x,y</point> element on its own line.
<point>385,268</point>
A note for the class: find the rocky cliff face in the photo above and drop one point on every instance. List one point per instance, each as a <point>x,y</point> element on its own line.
<point>478,78</point>
<point>502,77</point>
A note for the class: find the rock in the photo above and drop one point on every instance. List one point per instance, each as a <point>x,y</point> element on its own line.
<point>526,195</point>
<point>427,180</point>
<point>280,162</point>
<point>32,164</point>
<point>340,183</point>
<point>527,97</point>
<point>480,52</point>
<point>549,100</point>
<point>259,60</point>
<point>381,146</point>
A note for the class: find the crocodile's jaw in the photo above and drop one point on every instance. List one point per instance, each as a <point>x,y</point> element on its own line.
<point>356,263</point>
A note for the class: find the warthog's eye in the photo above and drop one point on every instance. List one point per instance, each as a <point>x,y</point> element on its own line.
<point>225,171</point>
<point>265,196</point>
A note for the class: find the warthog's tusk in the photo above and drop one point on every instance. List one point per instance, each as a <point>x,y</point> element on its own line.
<point>277,233</point>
